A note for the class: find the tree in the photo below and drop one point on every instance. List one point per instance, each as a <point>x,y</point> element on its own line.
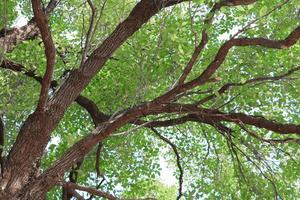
<point>94,93</point>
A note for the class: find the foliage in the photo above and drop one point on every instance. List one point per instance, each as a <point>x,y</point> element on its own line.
<point>146,66</point>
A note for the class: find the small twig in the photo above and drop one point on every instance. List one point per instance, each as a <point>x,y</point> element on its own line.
<point>260,170</point>
<point>270,141</point>
<point>97,163</point>
<point>194,58</point>
<point>228,86</point>
<point>89,33</point>
<point>99,18</point>
<point>178,159</point>
<point>255,20</point>
<point>227,102</point>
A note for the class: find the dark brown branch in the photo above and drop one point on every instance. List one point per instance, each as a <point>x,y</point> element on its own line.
<point>42,23</point>
<point>1,143</point>
<point>90,190</point>
<point>14,36</point>
<point>96,115</point>
<point>97,163</point>
<point>193,59</point>
<point>174,148</point>
<point>61,100</point>
<point>292,38</point>
<point>215,115</point>
<point>89,33</point>
<point>259,122</point>
<point>227,86</point>
<point>271,141</point>
<point>204,39</point>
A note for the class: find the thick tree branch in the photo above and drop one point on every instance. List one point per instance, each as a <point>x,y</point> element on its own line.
<point>1,143</point>
<point>223,51</point>
<point>259,122</point>
<point>11,37</point>
<point>93,191</point>
<point>96,115</point>
<point>217,6</point>
<point>217,116</point>
<point>78,80</point>
<point>42,23</point>
<point>271,141</point>
<point>40,125</point>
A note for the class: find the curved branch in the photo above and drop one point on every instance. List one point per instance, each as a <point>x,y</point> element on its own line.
<point>1,143</point>
<point>42,23</point>
<point>292,38</point>
<point>93,191</point>
<point>91,107</point>
<point>89,34</point>
<point>257,121</point>
<point>174,148</point>
<point>209,17</point>
<point>9,38</point>
<point>215,115</point>
<point>227,86</point>
<point>61,100</point>
<point>271,141</point>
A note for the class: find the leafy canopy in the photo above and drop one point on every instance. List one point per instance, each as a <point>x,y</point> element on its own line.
<point>147,65</point>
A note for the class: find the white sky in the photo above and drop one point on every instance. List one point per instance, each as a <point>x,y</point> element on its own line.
<point>166,173</point>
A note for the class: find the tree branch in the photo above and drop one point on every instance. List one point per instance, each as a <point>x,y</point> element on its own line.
<point>11,37</point>
<point>292,38</point>
<point>42,23</point>
<point>61,100</point>
<point>270,141</point>
<point>93,191</point>
<point>209,17</point>
<point>227,86</point>
<point>96,115</point>
<point>89,33</point>
<point>174,148</point>
<point>206,115</point>
<point>2,134</point>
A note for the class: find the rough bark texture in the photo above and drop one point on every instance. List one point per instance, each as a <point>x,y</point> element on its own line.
<point>34,135</point>
<point>21,178</point>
